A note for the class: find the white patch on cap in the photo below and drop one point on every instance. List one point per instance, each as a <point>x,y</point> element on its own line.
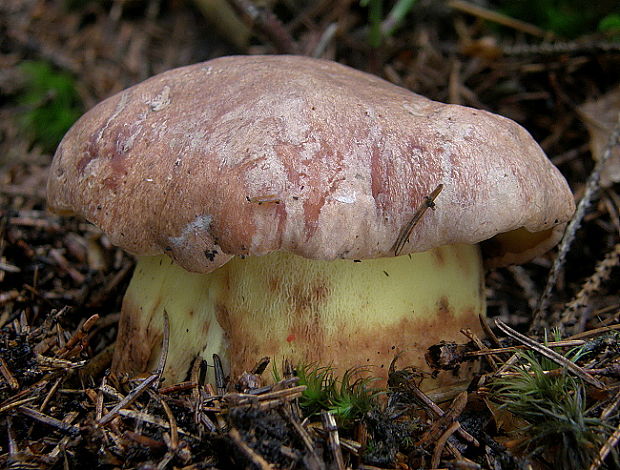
<point>414,109</point>
<point>120,106</point>
<point>199,225</point>
<point>347,198</point>
<point>161,101</point>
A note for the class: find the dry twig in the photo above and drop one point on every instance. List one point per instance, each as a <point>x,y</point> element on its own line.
<point>329,424</point>
<point>403,237</point>
<point>606,449</point>
<point>550,354</point>
<point>129,399</point>
<point>592,187</point>
<point>571,320</point>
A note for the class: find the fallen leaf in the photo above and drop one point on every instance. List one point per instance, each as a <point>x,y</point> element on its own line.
<point>600,116</point>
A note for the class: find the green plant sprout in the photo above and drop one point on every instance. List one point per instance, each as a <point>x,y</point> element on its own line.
<point>354,397</point>
<point>347,398</point>
<point>610,25</point>
<point>50,103</point>
<point>320,383</point>
<point>560,426</point>
<point>380,28</point>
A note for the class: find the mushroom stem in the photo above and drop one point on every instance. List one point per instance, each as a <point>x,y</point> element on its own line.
<point>342,312</point>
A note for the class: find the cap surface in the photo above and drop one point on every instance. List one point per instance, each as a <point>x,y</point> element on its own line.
<point>251,154</point>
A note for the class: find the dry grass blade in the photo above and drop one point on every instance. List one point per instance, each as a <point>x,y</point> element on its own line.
<point>50,421</point>
<point>62,443</point>
<point>178,387</point>
<point>175,447</point>
<point>613,406</point>
<point>244,399</point>
<point>438,412</point>
<point>303,435</point>
<point>220,378</point>
<point>145,440</point>
<point>154,420</point>
<point>441,443</point>
<point>50,394</point>
<point>136,392</point>
<point>498,18</point>
<point>57,363</point>
<point>15,404</point>
<point>78,337</point>
<point>507,349</point>
<point>165,344</point>
<point>129,399</point>
<point>445,421</point>
<point>557,48</point>
<point>596,331</point>
<point>550,354</point>
<point>482,348</point>
<point>606,449</point>
<point>174,430</point>
<point>333,440</point>
<point>11,436</point>
<point>8,376</point>
<point>353,447</point>
<point>403,237</point>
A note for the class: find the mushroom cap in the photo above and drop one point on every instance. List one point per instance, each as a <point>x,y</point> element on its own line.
<point>247,155</point>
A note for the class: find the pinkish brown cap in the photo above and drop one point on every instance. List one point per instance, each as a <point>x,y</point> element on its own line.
<point>248,155</point>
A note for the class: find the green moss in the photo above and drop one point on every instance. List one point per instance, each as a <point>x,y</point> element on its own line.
<point>49,103</point>
<point>376,21</point>
<point>347,398</point>
<point>560,426</point>
<point>566,18</point>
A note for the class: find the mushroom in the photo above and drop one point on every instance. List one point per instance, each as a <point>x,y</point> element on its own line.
<point>263,197</point>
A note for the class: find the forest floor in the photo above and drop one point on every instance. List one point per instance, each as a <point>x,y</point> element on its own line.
<point>554,68</point>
